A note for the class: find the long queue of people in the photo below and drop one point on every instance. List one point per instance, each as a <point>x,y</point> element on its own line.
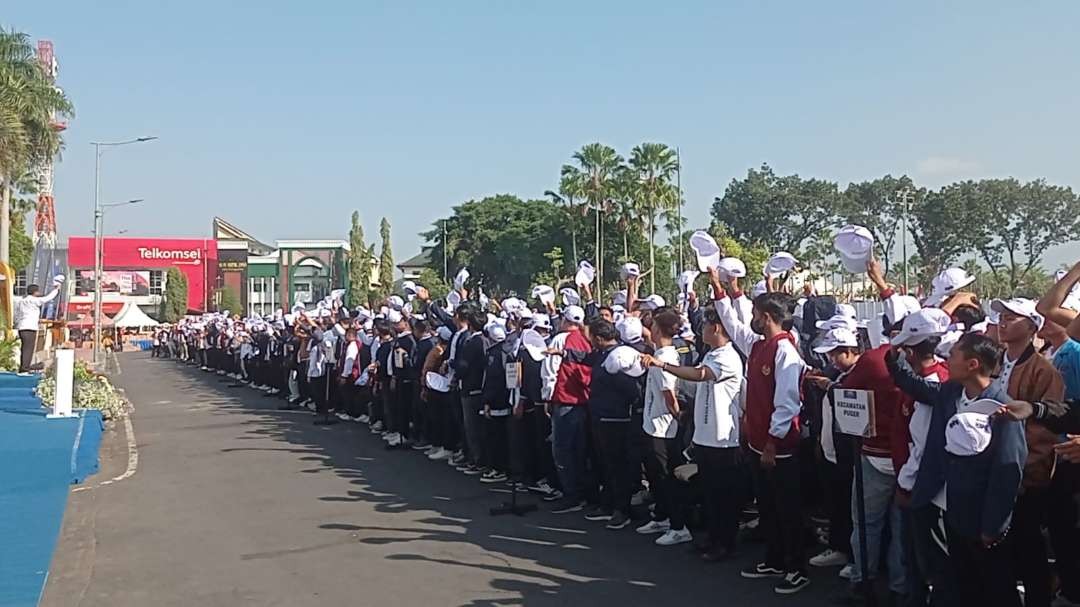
<point>695,413</point>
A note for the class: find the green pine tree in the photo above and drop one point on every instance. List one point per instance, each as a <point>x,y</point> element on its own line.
<point>359,265</point>
<point>174,304</point>
<point>386,260</point>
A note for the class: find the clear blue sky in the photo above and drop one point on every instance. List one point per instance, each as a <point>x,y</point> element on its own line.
<point>283,117</point>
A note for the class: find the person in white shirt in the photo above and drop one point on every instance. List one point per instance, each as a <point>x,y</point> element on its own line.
<point>717,411</point>
<point>27,313</point>
<point>660,422</point>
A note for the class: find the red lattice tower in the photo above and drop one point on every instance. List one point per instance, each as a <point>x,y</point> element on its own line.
<point>45,215</point>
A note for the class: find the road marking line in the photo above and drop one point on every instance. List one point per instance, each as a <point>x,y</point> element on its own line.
<point>133,458</point>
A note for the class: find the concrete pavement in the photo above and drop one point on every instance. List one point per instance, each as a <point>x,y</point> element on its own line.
<point>236,503</point>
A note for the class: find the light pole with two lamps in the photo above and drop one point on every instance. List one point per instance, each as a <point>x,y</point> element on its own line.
<point>99,148</point>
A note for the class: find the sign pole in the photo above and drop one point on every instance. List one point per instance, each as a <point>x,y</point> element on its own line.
<point>867,585</point>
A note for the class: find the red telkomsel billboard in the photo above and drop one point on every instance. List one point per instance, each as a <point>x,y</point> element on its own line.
<point>195,257</point>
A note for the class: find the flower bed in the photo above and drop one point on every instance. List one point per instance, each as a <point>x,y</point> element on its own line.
<point>91,391</point>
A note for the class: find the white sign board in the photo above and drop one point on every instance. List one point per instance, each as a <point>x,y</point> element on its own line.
<point>65,382</point>
<point>853,412</point>
<point>513,376</point>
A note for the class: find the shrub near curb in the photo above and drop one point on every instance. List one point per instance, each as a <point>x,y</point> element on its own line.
<point>91,391</point>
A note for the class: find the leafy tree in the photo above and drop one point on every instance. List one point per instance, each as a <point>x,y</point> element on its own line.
<point>174,305</point>
<point>1019,222</point>
<point>227,300</point>
<point>434,283</point>
<point>359,265</point>
<point>876,206</point>
<point>780,213</point>
<point>501,239</point>
<point>654,166</point>
<point>386,260</point>
<point>28,102</point>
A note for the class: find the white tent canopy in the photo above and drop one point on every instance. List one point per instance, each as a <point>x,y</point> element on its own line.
<point>130,316</point>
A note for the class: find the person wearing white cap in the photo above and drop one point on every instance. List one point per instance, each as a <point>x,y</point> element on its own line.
<point>613,393</point>
<point>531,459</point>
<point>772,428</point>
<point>495,399</point>
<point>980,489</point>
<point>469,364</point>
<point>566,388</point>
<point>946,284</point>
<point>919,338</point>
<point>717,414</point>
<point>1026,375</point>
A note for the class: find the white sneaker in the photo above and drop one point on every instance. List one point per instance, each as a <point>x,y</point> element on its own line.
<point>674,537</point>
<point>377,426</point>
<point>655,527</point>
<point>265,388</point>
<point>829,558</point>
<point>343,417</point>
<point>847,572</point>
<point>439,455</point>
<point>355,419</point>
<point>395,441</point>
<point>363,419</point>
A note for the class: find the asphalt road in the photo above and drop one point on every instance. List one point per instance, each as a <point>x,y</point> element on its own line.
<point>236,503</point>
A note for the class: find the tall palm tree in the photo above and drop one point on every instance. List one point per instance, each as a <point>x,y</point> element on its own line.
<point>654,165</point>
<point>599,165</point>
<point>29,103</point>
<point>624,207</point>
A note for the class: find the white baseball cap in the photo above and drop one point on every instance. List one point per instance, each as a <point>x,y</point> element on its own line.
<point>838,321</point>
<point>626,360</point>
<point>444,333</point>
<point>947,283</point>
<point>652,302</point>
<point>1020,306</point>
<point>898,307</point>
<point>630,329</point>
<point>706,249</point>
<point>840,337</point>
<point>534,344</point>
<point>544,293</point>
<point>496,331</point>
<point>574,314</point>
<point>395,302</point>
<point>843,309</point>
<point>585,273</point>
<point>460,278</point>
<point>619,299</point>
<point>855,246</point>
<point>779,263</point>
<point>629,269</point>
<point>541,321</point>
<point>968,433</point>
<point>570,297</point>
<point>686,281</point>
<point>759,288</point>
<point>394,316</point>
<point>731,267</point>
<point>438,383</point>
<point>921,325</point>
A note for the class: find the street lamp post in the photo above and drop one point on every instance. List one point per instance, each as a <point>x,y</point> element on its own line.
<point>99,213</point>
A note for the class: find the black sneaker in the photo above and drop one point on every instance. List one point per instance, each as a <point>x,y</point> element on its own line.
<point>761,570</point>
<point>598,513</point>
<point>792,583</point>
<point>618,521</point>
<point>566,506</point>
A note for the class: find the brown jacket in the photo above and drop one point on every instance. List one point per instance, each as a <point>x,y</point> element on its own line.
<point>1034,378</point>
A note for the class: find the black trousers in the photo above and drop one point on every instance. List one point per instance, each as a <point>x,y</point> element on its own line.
<point>402,406</point>
<point>721,474</point>
<point>495,442</point>
<point>28,342</point>
<point>925,557</point>
<point>780,507</point>
<point>454,421</point>
<point>662,456</point>
<point>530,450</point>
<point>1029,547</point>
<point>984,576</point>
<point>838,482</point>
<point>1063,520</point>
<point>615,446</point>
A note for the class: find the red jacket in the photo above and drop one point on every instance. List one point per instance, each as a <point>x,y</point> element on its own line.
<point>760,393</point>
<point>870,373</point>
<point>572,383</point>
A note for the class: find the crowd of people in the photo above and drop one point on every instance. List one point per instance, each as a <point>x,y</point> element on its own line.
<point>691,421</point>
